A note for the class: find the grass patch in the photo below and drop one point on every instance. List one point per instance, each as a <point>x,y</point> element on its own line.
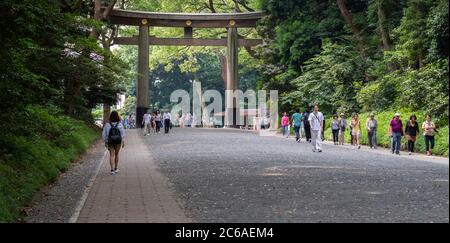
<point>49,142</point>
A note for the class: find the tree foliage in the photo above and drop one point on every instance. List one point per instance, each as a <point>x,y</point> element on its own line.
<point>406,43</point>
<point>48,59</point>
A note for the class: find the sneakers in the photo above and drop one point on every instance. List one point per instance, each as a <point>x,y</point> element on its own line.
<point>116,171</point>
<point>320,151</point>
<point>113,172</point>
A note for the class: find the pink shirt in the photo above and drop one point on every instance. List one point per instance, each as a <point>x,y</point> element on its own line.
<point>285,121</point>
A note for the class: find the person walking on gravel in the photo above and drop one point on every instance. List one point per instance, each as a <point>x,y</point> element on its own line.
<point>342,128</point>
<point>114,137</point>
<point>285,125</point>
<point>411,131</point>
<point>397,133</point>
<point>335,129</point>
<point>297,123</point>
<point>356,130</point>
<point>307,125</point>
<point>158,122</point>
<point>146,122</point>
<point>371,127</point>
<point>316,122</point>
<point>429,131</point>
<point>167,119</point>
<point>302,125</point>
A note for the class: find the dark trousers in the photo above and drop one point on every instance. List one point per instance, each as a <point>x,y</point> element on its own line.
<point>297,133</point>
<point>335,135</point>
<point>351,136</point>
<point>308,132</point>
<point>372,139</point>
<point>429,140</point>
<point>166,125</point>
<point>396,140</point>
<point>411,145</point>
<point>158,126</point>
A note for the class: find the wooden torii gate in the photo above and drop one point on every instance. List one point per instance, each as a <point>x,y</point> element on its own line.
<point>188,21</point>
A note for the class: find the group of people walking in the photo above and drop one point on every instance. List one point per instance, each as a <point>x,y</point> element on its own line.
<point>130,121</point>
<point>312,125</point>
<point>153,122</point>
<point>411,131</point>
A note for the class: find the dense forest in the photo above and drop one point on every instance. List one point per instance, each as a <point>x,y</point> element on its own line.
<point>358,56</point>
<point>58,63</point>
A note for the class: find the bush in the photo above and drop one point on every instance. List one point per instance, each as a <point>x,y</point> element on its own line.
<point>49,143</point>
<point>384,119</point>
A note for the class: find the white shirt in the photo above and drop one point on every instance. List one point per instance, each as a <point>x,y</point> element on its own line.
<point>167,116</point>
<point>316,120</point>
<point>147,118</point>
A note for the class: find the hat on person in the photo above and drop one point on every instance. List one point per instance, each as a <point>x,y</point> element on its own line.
<point>372,113</point>
<point>397,114</point>
<point>342,114</point>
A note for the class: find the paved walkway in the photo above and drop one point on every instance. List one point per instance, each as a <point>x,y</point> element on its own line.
<point>139,193</point>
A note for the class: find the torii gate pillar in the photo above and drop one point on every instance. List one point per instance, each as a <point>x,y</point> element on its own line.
<point>142,87</point>
<point>232,79</point>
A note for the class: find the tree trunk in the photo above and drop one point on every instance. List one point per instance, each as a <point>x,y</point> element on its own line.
<point>223,68</point>
<point>384,32</point>
<point>356,31</point>
<point>106,113</point>
<point>99,16</point>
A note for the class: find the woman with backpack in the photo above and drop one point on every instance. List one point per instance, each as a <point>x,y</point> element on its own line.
<point>114,137</point>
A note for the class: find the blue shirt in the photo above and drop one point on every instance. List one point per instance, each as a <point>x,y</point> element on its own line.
<point>297,118</point>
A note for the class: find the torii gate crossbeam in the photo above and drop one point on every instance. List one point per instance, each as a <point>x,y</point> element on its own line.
<point>188,21</point>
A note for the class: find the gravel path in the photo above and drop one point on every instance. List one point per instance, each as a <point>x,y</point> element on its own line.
<point>226,175</point>
<point>57,202</point>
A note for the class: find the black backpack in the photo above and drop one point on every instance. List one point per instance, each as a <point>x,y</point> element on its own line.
<point>114,136</point>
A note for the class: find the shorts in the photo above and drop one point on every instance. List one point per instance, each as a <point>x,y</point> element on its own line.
<point>115,147</point>
<point>411,138</point>
<point>355,133</point>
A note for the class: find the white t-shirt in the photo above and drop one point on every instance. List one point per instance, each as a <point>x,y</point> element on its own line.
<point>147,118</point>
<point>315,120</point>
<point>167,116</point>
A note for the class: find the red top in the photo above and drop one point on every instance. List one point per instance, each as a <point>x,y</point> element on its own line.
<point>285,121</point>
